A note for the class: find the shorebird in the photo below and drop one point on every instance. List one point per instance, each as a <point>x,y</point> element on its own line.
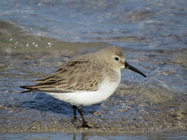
<point>86,79</point>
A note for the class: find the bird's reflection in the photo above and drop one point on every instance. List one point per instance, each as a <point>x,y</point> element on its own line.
<point>83,135</point>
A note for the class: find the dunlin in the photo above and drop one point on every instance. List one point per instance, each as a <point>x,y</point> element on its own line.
<point>86,79</point>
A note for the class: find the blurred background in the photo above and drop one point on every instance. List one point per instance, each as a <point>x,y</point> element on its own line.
<point>37,37</point>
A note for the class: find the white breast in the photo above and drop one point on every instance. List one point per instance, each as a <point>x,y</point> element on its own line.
<point>88,98</point>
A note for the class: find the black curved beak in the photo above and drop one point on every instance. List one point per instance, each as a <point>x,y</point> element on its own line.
<point>128,66</point>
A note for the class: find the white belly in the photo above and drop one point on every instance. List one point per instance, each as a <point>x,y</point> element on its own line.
<point>88,98</point>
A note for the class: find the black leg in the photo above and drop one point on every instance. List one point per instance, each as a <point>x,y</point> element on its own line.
<point>74,112</point>
<point>84,122</point>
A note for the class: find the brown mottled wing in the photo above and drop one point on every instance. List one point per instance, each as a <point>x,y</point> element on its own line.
<point>76,75</point>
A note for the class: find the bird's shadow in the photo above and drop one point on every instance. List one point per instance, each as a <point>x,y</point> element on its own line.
<point>45,102</point>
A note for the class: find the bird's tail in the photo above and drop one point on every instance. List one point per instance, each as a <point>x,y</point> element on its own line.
<point>29,89</point>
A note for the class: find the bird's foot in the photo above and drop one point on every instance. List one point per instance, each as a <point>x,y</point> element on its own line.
<point>75,121</point>
<point>84,125</point>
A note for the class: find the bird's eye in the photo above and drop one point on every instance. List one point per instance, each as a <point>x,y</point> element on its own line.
<point>116,58</point>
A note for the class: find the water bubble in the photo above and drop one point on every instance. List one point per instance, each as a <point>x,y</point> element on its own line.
<point>50,44</point>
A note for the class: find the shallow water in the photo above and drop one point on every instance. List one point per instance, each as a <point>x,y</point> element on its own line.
<point>92,136</point>
<point>37,37</point>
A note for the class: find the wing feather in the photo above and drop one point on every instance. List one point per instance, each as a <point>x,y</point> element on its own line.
<point>76,75</point>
